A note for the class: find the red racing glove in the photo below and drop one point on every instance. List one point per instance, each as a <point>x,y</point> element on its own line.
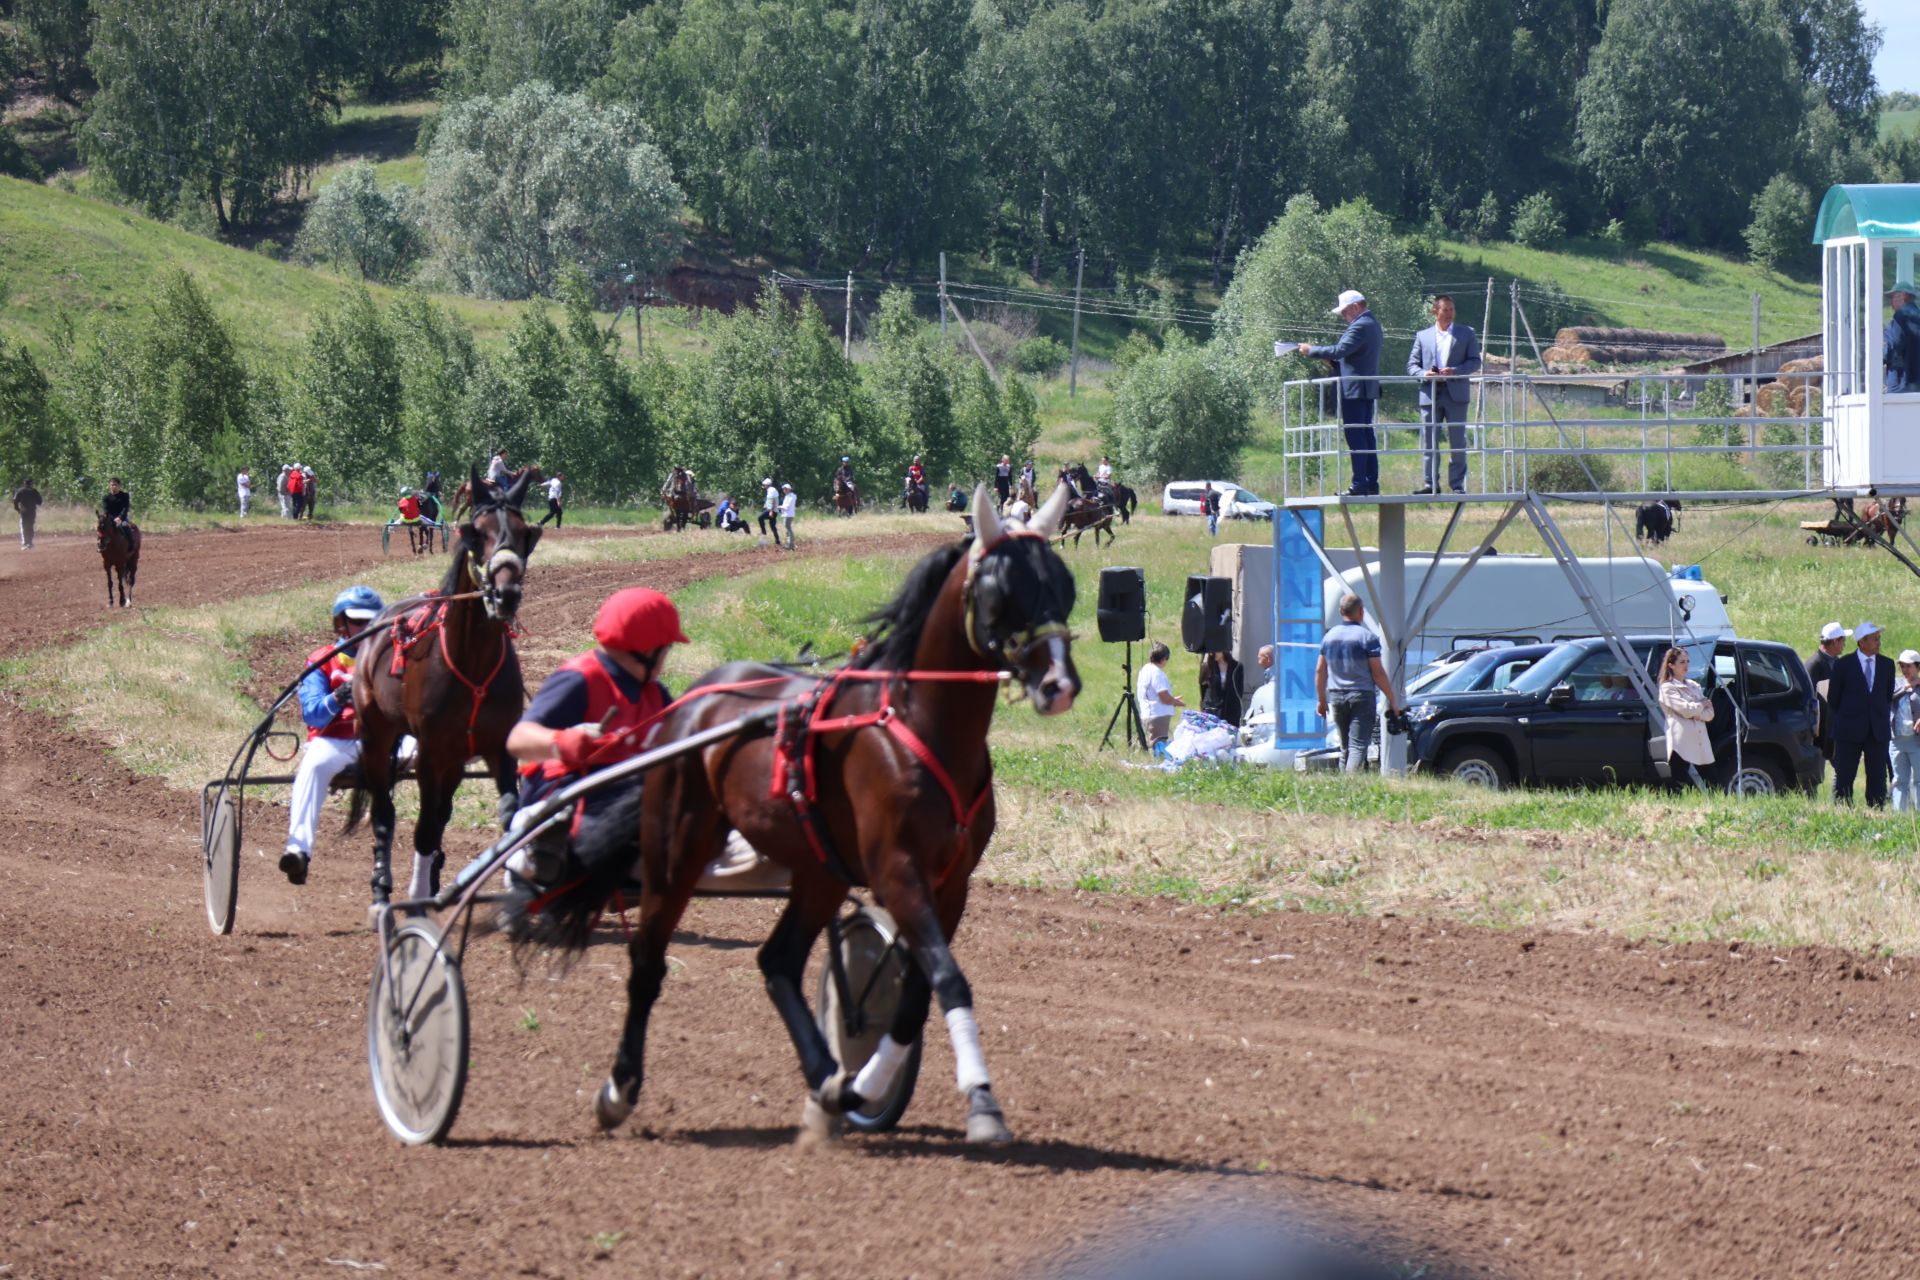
<point>575,747</point>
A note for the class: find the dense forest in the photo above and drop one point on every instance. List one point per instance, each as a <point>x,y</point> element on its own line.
<point>873,133</point>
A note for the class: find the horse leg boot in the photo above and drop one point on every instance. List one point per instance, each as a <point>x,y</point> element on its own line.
<point>877,1078</point>
<point>383,820</point>
<point>783,962</point>
<point>985,1121</point>
<point>436,807</point>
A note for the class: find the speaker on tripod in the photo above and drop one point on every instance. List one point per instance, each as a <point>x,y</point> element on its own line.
<point>1206,619</point>
<point>1122,616</point>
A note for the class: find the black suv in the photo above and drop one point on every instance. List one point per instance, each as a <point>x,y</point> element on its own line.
<point>1574,717</point>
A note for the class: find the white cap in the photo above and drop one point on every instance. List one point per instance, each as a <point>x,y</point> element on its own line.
<point>1909,656</point>
<point>768,480</point>
<point>787,487</point>
<point>1833,631</point>
<point>1347,299</point>
<point>1864,630</point>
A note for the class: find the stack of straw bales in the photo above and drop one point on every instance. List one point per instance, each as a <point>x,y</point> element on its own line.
<point>1795,393</point>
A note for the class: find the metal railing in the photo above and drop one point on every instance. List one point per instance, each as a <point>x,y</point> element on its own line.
<point>1554,433</point>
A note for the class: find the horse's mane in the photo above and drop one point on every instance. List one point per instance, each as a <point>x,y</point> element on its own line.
<point>899,624</point>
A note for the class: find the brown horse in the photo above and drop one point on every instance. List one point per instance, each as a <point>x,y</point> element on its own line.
<point>1085,512</point>
<point>458,689</point>
<point>846,496</point>
<point>119,556</point>
<point>902,801</point>
<point>683,501</point>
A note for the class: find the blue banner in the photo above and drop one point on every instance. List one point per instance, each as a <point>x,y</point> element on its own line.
<point>1298,625</point>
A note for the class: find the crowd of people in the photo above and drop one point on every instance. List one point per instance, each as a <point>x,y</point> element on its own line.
<point>1868,708</point>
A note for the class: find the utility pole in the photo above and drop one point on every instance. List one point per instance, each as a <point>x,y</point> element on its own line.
<point>1513,325</point>
<point>639,327</point>
<point>1753,372</point>
<point>1486,324</point>
<point>847,346</point>
<point>943,295</point>
<point>1079,275</point>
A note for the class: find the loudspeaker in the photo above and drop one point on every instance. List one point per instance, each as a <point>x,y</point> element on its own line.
<point>1206,620</point>
<point>1122,611</point>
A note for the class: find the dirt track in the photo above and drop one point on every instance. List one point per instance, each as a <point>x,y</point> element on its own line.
<point>1516,1104</point>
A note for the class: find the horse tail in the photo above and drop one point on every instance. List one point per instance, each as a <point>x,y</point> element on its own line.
<point>562,918</point>
<point>356,810</point>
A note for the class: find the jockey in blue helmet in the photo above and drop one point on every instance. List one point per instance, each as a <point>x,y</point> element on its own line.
<point>333,734</point>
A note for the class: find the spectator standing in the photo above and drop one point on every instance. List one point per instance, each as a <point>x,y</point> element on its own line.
<point>553,501</point>
<point>1906,734</point>
<point>26,505</point>
<point>1344,680</point>
<point>789,507</point>
<point>1212,504</point>
<point>1833,641</point>
<point>1003,478</point>
<point>1688,711</point>
<point>310,489</point>
<point>1154,692</point>
<point>296,491</point>
<point>1444,355</point>
<point>1860,701</point>
<point>280,491</point>
<point>770,511</point>
<point>1220,687</point>
<point>243,486</point>
<point>1903,339</point>
<point>1357,358</point>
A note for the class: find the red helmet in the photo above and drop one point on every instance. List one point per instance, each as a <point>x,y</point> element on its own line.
<point>638,620</point>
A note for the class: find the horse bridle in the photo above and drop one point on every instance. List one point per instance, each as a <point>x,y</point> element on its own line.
<point>500,557</point>
<point>1014,648</point>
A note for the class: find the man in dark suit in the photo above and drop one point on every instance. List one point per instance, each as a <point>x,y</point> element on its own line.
<point>1860,701</point>
<point>1444,356</point>
<point>1357,357</point>
<point>1833,642</point>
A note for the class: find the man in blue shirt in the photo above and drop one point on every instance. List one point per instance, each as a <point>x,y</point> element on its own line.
<point>333,733</point>
<point>1357,357</point>
<point>1903,339</point>
<point>1348,672</point>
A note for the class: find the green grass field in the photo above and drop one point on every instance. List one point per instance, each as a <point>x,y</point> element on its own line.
<point>1892,122</point>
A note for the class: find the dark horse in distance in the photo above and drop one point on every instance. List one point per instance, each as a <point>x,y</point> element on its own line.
<point>1655,522</point>
<point>119,556</point>
<point>456,686</point>
<point>899,797</point>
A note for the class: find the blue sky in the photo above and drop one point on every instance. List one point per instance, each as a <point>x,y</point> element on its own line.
<point>1898,66</point>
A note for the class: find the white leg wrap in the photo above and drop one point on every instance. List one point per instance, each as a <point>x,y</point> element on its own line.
<point>883,1068</point>
<point>970,1065</point>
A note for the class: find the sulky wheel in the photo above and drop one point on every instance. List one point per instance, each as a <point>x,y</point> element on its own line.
<point>220,848</point>
<point>417,1035</point>
<point>875,968</point>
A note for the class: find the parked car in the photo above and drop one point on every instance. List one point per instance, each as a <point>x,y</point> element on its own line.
<point>1573,717</point>
<point>1184,498</point>
<point>1476,670</point>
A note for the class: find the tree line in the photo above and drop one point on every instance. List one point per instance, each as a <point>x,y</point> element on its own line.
<point>878,132</point>
<point>168,399</point>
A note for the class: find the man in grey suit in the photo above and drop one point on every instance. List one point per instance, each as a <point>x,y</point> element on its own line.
<point>1357,356</point>
<point>1443,356</point>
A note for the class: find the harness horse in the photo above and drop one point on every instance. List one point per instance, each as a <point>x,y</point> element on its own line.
<point>446,673</point>
<point>1088,508</point>
<point>846,496</point>
<point>119,556</point>
<point>683,501</point>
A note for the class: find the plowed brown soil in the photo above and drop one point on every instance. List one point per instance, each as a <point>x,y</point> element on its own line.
<point>1470,1101</point>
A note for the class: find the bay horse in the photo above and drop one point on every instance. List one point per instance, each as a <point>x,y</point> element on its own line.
<point>119,556</point>
<point>457,687</point>
<point>892,753</point>
<point>846,496</point>
<point>1118,496</point>
<point>683,500</point>
<point>1087,509</point>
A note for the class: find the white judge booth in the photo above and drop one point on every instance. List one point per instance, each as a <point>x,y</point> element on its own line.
<point>1868,237</point>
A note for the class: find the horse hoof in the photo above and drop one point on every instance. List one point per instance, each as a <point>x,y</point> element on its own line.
<point>610,1106</point>
<point>985,1122</point>
<point>818,1128</point>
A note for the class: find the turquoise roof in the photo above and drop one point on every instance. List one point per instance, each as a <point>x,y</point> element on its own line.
<point>1887,212</point>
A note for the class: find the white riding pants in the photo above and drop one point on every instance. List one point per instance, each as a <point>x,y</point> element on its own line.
<point>320,762</point>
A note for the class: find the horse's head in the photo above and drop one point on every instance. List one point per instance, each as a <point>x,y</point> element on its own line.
<point>495,542</point>
<point>102,527</point>
<point>1019,596</point>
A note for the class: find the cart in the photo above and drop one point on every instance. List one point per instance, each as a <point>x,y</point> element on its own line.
<point>420,535</point>
<point>417,1025</point>
<point>222,801</point>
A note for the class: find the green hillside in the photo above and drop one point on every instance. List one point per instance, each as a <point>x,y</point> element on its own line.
<point>61,251</point>
<point>1892,122</point>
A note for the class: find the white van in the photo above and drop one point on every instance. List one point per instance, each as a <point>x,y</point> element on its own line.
<point>1184,498</point>
<point>1512,599</point>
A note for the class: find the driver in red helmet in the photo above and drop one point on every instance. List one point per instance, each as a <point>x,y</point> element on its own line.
<point>581,718</point>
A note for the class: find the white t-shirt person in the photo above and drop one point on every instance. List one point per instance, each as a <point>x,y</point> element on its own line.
<point>1154,692</point>
<point>553,489</point>
<point>789,504</point>
<point>770,501</point>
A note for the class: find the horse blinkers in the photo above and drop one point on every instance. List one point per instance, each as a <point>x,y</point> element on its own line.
<point>1040,651</point>
<point>502,602</point>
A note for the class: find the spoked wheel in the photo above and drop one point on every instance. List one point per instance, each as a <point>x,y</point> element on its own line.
<point>417,1035</point>
<point>220,847</point>
<point>875,969</point>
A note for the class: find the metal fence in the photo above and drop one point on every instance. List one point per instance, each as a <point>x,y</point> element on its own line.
<point>1626,433</point>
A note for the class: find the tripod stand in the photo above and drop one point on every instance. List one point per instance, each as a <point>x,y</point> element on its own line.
<point>1126,707</point>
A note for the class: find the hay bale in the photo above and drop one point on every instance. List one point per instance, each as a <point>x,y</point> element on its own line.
<point>1743,411</point>
<point>1565,355</point>
<point>1812,364</point>
<point>1772,398</point>
<point>1646,344</point>
<point>1804,401</point>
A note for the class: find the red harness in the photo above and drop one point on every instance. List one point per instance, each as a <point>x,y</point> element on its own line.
<point>429,617</point>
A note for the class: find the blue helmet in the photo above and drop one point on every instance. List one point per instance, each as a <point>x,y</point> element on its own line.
<point>358,603</point>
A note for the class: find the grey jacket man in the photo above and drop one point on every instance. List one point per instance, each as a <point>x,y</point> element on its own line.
<point>1358,356</point>
<point>1464,361</point>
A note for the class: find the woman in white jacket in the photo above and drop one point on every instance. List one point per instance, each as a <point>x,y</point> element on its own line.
<point>1688,711</point>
